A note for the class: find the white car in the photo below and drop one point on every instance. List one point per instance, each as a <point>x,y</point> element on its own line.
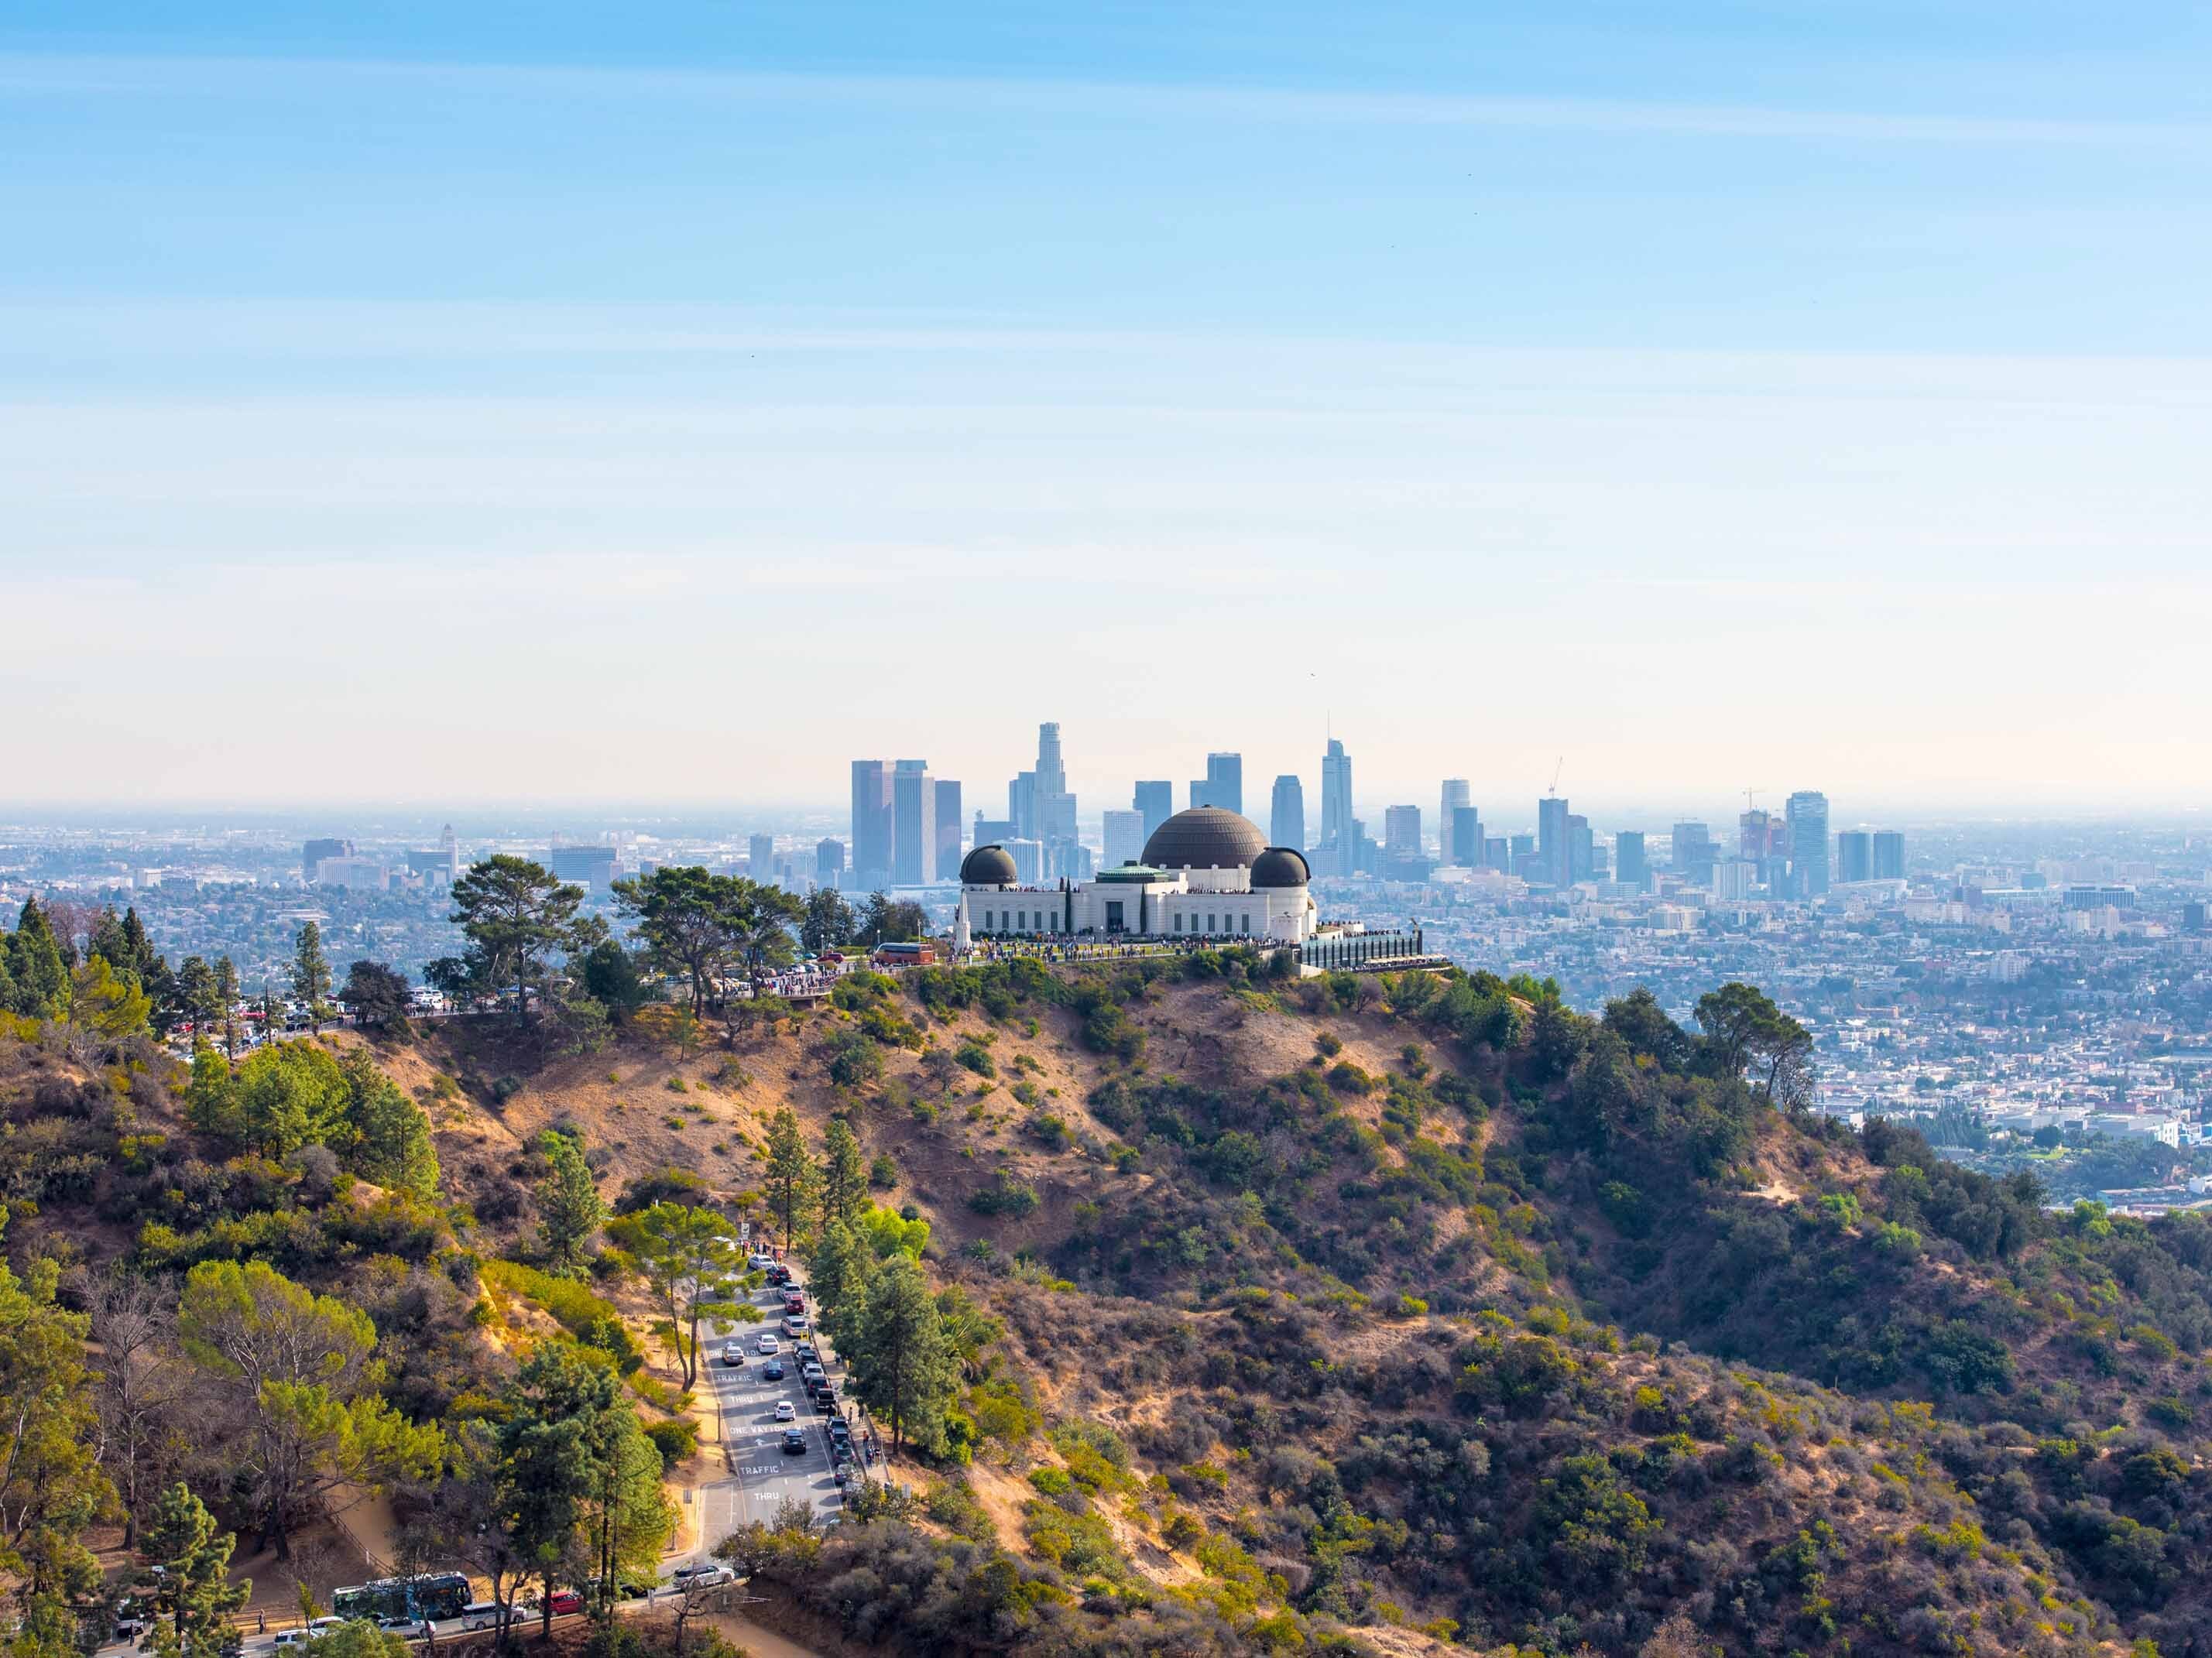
<point>794,1325</point>
<point>759,1262</point>
<point>704,1575</point>
<point>767,1344</point>
<point>786,1410</point>
<point>734,1352</point>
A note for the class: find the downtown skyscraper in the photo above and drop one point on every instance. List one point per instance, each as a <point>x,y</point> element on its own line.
<point>1808,818</point>
<point>1286,813</point>
<point>1340,835</point>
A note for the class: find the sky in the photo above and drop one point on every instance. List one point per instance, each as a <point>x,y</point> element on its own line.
<point>427,403</point>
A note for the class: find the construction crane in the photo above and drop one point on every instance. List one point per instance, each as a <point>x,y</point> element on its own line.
<point>1554,789</point>
<point>1750,797</point>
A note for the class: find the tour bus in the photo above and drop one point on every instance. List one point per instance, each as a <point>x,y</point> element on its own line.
<point>431,1596</point>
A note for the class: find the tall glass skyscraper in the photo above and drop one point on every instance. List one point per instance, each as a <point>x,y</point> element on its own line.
<point>1155,799</point>
<point>1455,794</point>
<point>1888,855</point>
<point>1855,856</point>
<point>1551,816</point>
<point>1286,813</point>
<point>1339,839</point>
<point>1225,783</point>
<point>1808,817</point>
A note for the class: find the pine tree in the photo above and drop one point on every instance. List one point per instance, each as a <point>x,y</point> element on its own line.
<point>901,1361</point>
<point>310,974</point>
<point>844,1176</point>
<point>568,1206</point>
<point>36,965</point>
<point>196,1592</point>
<point>790,1172</point>
<point>195,994</point>
<point>392,1143</point>
<point>225,994</point>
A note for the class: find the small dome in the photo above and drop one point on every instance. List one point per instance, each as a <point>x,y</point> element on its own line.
<point>1281,866</point>
<point>989,866</point>
<point>1203,837</point>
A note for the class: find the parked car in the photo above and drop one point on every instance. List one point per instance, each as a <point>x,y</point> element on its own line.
<point>760,1262</point>
<point>565,1602</point>
<point>703,1574</point>
<point>840,1431</point>
<point>480,1615</point>
<point>794,1325</point>
<point>825,1402</point>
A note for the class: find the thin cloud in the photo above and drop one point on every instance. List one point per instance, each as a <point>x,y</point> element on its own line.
<point>79,75</point>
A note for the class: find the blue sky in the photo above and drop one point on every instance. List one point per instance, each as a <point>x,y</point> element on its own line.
<point>1694,390</point>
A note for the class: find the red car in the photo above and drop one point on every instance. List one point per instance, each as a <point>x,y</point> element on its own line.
<point>565,1602</point>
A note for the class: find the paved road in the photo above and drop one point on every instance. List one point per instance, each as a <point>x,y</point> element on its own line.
<point>765,1473</point>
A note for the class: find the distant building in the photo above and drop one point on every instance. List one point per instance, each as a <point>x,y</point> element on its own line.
<point>1552,840</point>
<point>987,830</point>
<point>760,857</point>
<point>1154,801</point>
<point>914,824</point>
<point>1464,834</point>
<point>829,861</point>
<point>313,854</point>
<point>1888,855</point>
<point>1808,817</point>
<point>1497,854</point>
<point>1401,829</point>
<point>589,867</point>
<point>1854,856</point>
<point>1453,795</point>
<point>1125,837</point>
<point>1286,813</point>
<point>946,863</point>
<point>871,824</point>
<point>355,874</point>
<point>1628,857</point>
<point>1582,849</point>
<point>1225,783</point>
<point>1340,831</point>
<point>1692,853</point>
<point>2099,895</point>
<point>1029,861</point>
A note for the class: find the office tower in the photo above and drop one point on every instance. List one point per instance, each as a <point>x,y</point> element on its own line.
<point>1196,795</point>
<point>871,824</point>
<point>990,831</point>
<point>1694,852</point>
<point>1154,801</point>
<point>829,860</point>
<point>946,850</point>
<point>1752,833</point>
<point>314,851</point>
<point>1225,783</point>
<point>1551,839</point>
<point>1455,794</point>
<point>1888,855</point>
<point>1464,834</point>
<point>1733,878</point>
<point>1582,849</point>
<point>1021,804</point>
<point>1401,828</point>
<point>1808,813</point>
<point>760,857</point>
<point>1051,809</point>
<point>1628,867</point>
<point>1855,856</point>
<point>1497,854</point>
<point>1339,839</point>
<point>591,866</point>
<point>1286,813</point>
<point>914,823</point>
<point>1125,837</point>
<point>1029,860</point>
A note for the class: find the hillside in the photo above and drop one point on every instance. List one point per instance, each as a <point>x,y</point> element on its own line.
<point>1408,1314</point>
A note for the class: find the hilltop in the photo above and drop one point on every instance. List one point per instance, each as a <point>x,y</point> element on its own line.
<point>1406,1312</point>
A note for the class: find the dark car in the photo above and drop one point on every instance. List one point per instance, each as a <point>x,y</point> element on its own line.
<point>772,1370</point>
<point>839,1430</point>
<point>793,1440</point>
<point>825,1402</point>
